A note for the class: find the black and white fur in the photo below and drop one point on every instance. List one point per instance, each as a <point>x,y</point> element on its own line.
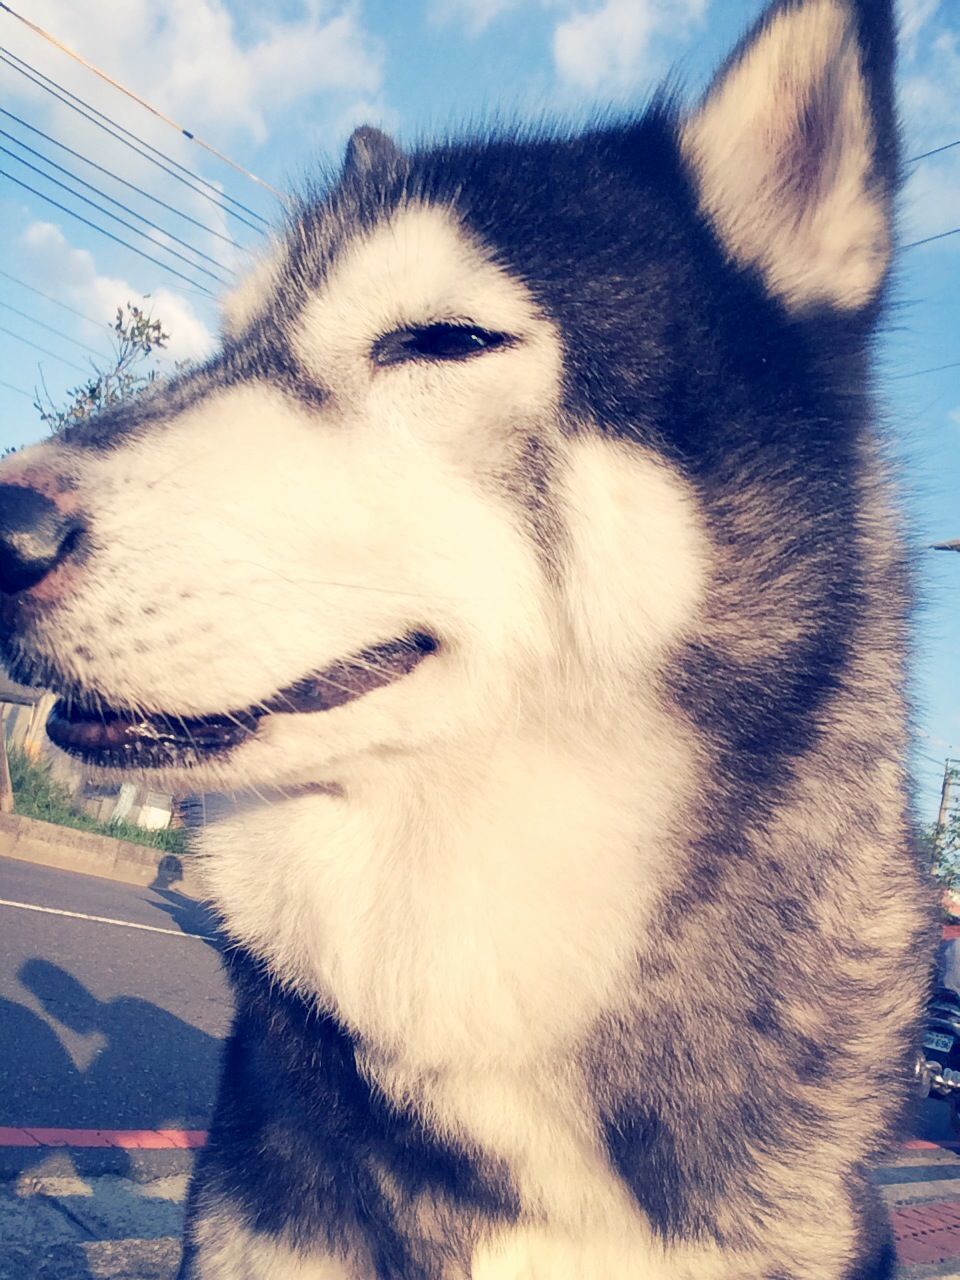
<point>592,949</point>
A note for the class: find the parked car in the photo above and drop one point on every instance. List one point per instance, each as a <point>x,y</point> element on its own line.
<point>938,1062</point>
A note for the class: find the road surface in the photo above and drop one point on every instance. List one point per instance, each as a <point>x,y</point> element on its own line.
<point>113,1025</point>
<point>112,1010</point>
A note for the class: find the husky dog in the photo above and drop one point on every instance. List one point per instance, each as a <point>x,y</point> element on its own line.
<point>526,559</point>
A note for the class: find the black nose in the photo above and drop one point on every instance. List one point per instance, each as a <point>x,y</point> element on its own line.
<point>35,536</point>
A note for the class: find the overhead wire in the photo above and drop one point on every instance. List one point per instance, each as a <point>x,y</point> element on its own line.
<point>929,239</point>
<point>924,155</point>
<point>46,350</point>
<point>19,390</point>
<point>24,315</point>
<point>56,301</point>
<point>187,133</point>
<point>935,151</point>
<point>138,145</point>
<point>920,755</point>
<point>115,216</point>
<point>106,196</point>
<point>115,177</point>
<point>915,373</point>
<point>115,129</point>
<point>915,244</point>
<point>104,232</point>
<point>88,110</point>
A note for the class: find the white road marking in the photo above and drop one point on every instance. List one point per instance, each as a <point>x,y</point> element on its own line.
<point>124,924</point>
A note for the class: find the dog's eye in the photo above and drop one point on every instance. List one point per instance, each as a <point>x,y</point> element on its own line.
<point>437,342</point>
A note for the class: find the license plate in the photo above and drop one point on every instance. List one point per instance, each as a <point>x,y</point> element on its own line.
<point>934,1041</point>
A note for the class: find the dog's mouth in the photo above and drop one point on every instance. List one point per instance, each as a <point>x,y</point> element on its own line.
<point>126,739</point>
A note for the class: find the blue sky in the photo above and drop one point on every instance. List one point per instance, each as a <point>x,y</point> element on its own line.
<point>278,87</point>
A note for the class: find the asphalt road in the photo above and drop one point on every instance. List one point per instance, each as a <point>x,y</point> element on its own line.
<point>105,1025</point>
<point>116,1023</point>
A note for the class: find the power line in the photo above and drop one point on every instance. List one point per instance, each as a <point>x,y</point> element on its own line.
<point>104,195</point>
<point>147,195</point>
<point>929,239</point>
<point>919,755</point>
<point>116,217</point>
<point>56,302</point>
<point>50,329</point>
<point>89,111</point>
<point>935,152</point>
<point>46,351</point>
<point>19,390</point>
<point>139,145</point>
<point>143,103</point>
<point>104,232</point>
<point>939,368</point>
<point>937,742</point>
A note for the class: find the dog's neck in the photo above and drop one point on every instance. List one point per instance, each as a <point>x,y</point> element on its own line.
<point>477,903</point>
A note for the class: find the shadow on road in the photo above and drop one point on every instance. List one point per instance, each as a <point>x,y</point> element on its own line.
<point>187,914</point>
<point>34,1067</point>
<point>74,1061</point>
<point>144,1067</point>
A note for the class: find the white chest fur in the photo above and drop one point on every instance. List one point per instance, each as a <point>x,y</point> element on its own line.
<point>480,909</point>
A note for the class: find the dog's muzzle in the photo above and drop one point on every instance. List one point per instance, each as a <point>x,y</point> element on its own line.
<point>99,734</point>
<point>41,541</point>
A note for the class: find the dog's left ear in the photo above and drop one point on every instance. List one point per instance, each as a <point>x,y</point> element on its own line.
<point>370,151</point>
<point>794,151</point>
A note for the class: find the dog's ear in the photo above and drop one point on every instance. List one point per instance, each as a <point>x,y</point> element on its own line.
<point>369,152</point>
<point>794,150</point>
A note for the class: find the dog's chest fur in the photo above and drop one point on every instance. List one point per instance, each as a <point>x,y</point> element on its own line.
<point>482,909</point>
<point>468,922</point>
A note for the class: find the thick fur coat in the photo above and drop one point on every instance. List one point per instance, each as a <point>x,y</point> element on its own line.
<point>526,562</point>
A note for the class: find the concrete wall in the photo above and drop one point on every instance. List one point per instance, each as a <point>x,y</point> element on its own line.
<point>53,846</point>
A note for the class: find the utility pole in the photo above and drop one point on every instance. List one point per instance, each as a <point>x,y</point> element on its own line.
<point>6,790</point>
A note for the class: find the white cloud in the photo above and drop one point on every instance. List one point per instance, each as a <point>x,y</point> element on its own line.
<point>476,15</point>
<point>74,274</point>
<point>286,63</point>
<point>930,98</point>
<point>954,417</point>
<point>609,46</point>
<point>931,200</point>
<point>190,58</point>
<point>610,49</point>
<point>362,111</point>
<point>914,14</point>
<point>930,95</point>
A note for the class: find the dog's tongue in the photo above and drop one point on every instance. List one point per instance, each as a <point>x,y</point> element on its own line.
<point>151,740</point>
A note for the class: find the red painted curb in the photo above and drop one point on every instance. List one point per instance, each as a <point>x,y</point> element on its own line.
<point>16,1138</point>
<point>190,1139</point>
<point>185,1138</point>
<point>69,1137</point>
<point>121,1139</point>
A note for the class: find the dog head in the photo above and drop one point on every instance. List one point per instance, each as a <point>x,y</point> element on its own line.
<point>484,424</point>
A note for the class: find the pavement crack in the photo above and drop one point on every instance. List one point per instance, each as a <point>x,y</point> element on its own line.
<point>69,1214</point>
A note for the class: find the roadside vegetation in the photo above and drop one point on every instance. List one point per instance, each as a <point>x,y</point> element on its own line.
<point>37,794</point>
<point>137,336</point>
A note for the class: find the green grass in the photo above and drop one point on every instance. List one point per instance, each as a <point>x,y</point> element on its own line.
<point>36,794</point>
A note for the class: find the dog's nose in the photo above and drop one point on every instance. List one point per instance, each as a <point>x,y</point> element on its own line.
<point>35,536</point>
